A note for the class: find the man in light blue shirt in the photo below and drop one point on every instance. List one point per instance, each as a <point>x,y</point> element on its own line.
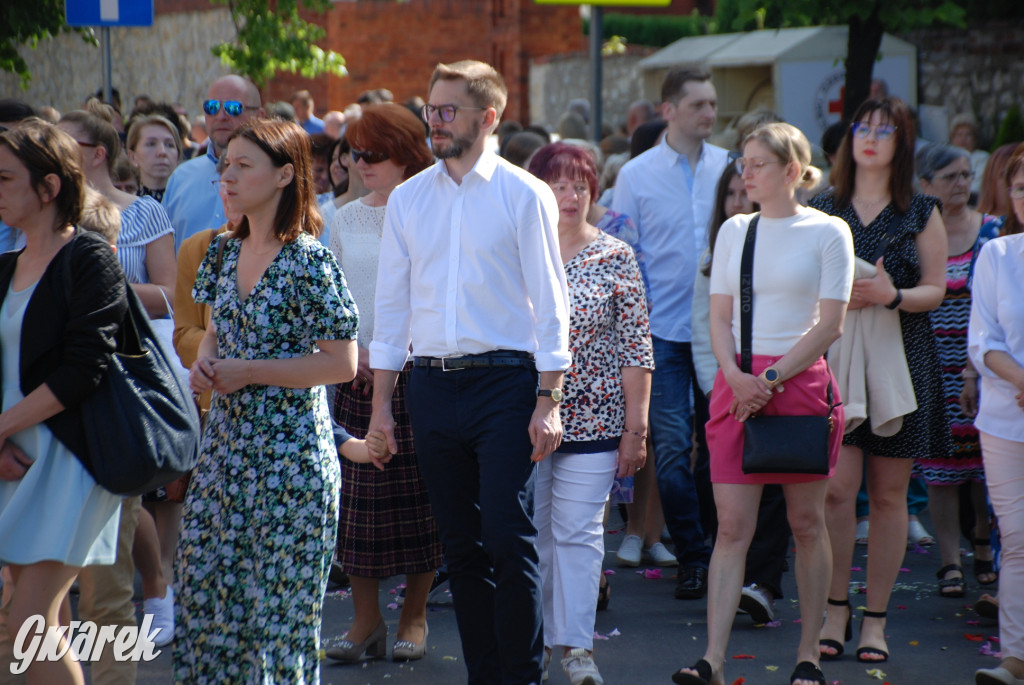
<point>192,200</point>
<point>302,103</point>
<point>669,193</point>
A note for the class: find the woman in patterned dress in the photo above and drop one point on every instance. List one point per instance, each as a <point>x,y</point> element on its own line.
<point>386,527</point>
<point>604,410</point>
<point>260,518</point>
<point>944,171</point>
<point>873,192</point>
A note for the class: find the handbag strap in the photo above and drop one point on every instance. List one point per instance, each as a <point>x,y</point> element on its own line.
<point>222,239</point>
<point>890,233</point>
<point>747,308</point>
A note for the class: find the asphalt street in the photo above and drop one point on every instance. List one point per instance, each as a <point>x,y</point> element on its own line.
<point>646,634</point>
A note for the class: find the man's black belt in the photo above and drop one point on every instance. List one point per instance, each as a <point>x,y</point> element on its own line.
<point>485,360</point>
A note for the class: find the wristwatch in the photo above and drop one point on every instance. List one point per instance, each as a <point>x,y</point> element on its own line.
<point>896,301</point>
<point>771,376</point>
<point>555,394</point>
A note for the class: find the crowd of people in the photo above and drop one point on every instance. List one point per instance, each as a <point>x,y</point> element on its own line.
<point>428,342</point>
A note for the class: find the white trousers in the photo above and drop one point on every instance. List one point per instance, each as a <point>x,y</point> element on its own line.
<point>569,498</point>
<point>1004,473</point>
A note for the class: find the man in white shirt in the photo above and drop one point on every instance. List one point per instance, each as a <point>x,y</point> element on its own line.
<point>669,192</point>
<point>192,199</point>
<point>470,275</point>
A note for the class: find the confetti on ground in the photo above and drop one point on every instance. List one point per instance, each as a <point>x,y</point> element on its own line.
<point>651,573</point>
<point>599,636</point>
<point>392,605</point>
<point>739,681</point>
<point>773,624</point>
<point>914,643</point>
<point>450,658</point>
<point>744,656</point>
<point>901,607</point>
<point>973,623</point>
<point>986,650</point>
<point>974,637</point>
<point>771,667</point>
<point>856,568</point>
<point>904,569</point>
<point>609,572</point>
<point>918,549</point>
<point>615,633</point>
<point>876,673</point>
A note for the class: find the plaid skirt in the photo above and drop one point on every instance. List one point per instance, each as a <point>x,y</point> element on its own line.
<point>385,526</point>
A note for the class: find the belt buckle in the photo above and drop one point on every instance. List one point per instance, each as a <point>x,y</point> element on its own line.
<point>444,364</point>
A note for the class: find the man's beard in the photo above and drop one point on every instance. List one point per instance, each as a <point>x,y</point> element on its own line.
<point>457,146</point>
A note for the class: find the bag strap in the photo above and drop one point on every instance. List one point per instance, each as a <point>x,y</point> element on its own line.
<point>747,308</point>
<point>222,239</point>
<point>890,233</point>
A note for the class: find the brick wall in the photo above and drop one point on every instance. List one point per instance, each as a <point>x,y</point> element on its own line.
<point>394,45</point>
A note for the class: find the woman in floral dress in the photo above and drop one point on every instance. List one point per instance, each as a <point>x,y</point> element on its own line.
<point>260,518</point>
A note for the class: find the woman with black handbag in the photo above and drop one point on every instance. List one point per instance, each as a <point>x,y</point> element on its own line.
<point>901,234</point>
<point>780,281</point>
<point>54,518</point>
<point>261,512</point>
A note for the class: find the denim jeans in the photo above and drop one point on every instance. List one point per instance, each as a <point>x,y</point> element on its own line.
<point>473,446</point>
<point>671,422</point>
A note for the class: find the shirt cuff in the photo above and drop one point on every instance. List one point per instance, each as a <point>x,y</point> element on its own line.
<point>553,361</point>
<point>386,357</point>
<point>976,351</point>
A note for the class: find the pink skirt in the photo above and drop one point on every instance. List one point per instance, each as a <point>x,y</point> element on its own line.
<point>805,394</point>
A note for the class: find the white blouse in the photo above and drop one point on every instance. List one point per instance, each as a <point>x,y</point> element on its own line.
<point>355,242</point>
<point>997,323</point>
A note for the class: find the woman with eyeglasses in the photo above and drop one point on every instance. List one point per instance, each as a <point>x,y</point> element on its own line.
<point>797,313</point>
<point>944,171</point>
<point>386,527</point>
<point>873,192</point>
<point>996,347</point>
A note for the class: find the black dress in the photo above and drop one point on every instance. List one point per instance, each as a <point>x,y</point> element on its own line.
<point>925,432</point>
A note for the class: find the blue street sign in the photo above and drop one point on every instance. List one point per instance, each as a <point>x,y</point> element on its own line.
<point>109,12</point>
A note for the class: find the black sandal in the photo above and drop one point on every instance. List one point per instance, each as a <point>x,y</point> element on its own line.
<point>872,651</point>
<point>703,676</point>
<point>835,644</point>
<point>951,587</point>
<point>983,566</point>
<point>604,593</point>
<point>805,670</point>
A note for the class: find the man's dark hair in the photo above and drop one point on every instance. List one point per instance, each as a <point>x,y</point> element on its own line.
<point>674,85</point>
<point>12,110</point>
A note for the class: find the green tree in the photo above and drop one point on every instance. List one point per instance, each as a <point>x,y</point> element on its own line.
<point>26,22</point>
<point>272,36</point>
<point>867,21</point>
<point>1011,129</point>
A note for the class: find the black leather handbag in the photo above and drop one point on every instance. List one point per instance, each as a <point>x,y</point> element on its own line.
<point>141,423</point>
<point>777,444</point>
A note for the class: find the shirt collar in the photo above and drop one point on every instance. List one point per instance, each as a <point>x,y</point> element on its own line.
<point>484,168</point>
<point>211,153</point>
<point>673,157</point>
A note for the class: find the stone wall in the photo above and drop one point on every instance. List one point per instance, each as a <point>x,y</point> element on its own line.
<point>557,80</point>
<point>170,61</point>
<point>979,70</point>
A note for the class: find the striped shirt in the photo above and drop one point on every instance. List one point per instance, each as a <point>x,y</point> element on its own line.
<point>141,223</point>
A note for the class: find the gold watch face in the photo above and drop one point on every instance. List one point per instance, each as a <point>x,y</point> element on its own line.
<point>556,394</point>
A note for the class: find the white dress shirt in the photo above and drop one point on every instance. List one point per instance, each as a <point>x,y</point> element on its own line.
<point>997,323</point>
<point>654,190</point>
<point>471,268</point>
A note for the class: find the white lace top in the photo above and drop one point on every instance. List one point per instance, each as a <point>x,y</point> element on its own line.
<point>355,242</point>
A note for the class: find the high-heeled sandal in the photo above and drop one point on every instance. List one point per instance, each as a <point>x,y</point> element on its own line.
<point>604,593</point>
<point>984,567</point>
<point>872,651</point>
<point>847,635</point>
<point>805,670</point>
<point>348,652</point>
<point>703,676</point>
<point>951,587</point>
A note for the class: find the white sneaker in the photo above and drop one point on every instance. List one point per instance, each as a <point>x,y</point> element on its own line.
<point>630,551</point>
<point>756,601</point>
<point>658,555</point>
<point>581,669</point>
<point>162,610</point>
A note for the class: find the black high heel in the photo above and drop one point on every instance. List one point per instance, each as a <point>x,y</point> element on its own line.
<point>847,636</point>
<point>983,567</point>
<point>872,651</point>
<point>703,677</point>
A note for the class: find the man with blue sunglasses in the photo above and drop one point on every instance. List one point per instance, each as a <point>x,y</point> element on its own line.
<point>191,199</point>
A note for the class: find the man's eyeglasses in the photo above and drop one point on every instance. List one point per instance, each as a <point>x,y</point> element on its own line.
<point>445,112</point>
<point>953,176</point>
<point>863,129</point>
<point>369,156</point>
<point>232,107</point>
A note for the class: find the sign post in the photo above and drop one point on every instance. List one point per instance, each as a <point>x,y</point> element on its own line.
<point>107,13</point>
<point>596,36</point>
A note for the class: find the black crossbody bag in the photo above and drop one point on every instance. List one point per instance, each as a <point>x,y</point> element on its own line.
<point>777,444</point>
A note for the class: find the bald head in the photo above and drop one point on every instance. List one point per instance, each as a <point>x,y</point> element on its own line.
<point>222,124</point>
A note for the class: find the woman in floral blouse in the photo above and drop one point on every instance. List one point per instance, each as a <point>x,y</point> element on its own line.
<point>604,410</point>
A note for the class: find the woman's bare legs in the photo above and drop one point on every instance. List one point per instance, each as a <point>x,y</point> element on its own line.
<point>146,555</point>
<point>841,521</point>
<point>413,622</point>
<point>366,602</point>
<point>167,519</point>
<point>40,589</point>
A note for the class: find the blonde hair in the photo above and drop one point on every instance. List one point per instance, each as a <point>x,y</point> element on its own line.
<point>138,123</point>
<point>788,144</point>
<point>102,216</point>
<point>97,121</point>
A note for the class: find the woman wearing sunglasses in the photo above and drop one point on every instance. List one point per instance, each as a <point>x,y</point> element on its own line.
<point>386,527</point>
<point>873,192</point>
